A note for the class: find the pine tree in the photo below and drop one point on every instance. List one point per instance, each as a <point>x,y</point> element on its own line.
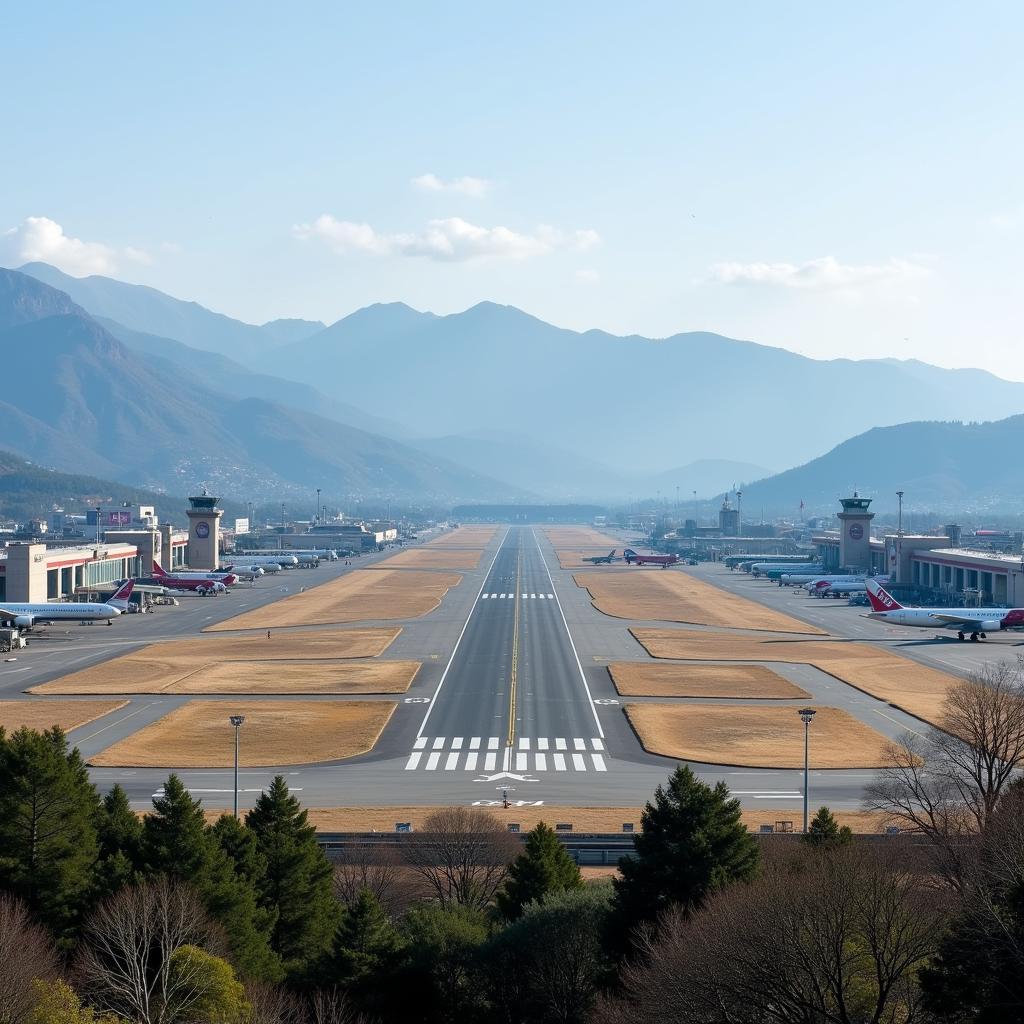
<point>177,843</point>
<point>239,843</point>
<point>692,844</point>
<point>543,867</point>
<point>48,814</point>
<point>824,831</point>
<point>296,885</point>
<point>119,831</point>
<point>365,945</point>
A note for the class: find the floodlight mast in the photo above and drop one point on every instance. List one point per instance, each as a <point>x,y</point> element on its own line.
<point>806,714</point>
<point>237,721</point>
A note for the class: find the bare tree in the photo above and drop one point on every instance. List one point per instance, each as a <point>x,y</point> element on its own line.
<point>836,938</point>
<point>381,871</point>
<point>125,961</point>
<point>946,783</point>
<point>273,1005</point>
<point>26,953</point>
<point>462,854</point>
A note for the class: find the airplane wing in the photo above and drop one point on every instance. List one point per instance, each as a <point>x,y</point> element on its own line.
<point>959,620</point>
<point>6,616</point>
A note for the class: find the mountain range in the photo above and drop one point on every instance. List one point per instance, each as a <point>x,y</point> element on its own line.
<point>492,402</point>
<point>938,465</point>
<point>85,402</point>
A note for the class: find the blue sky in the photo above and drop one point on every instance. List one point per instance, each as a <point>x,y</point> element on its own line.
<point>840,180</point>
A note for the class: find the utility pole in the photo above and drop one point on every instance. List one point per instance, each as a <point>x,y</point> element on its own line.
<point>236,721</point>
<point>806,714</point>
<point>318,506</point>
<point>899,540</point>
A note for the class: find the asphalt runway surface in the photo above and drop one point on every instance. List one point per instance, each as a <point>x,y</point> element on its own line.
<point>514,697</point>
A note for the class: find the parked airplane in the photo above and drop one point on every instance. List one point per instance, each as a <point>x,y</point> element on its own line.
<point>245,566</point>
<point>975,622</point>
<point>249,573</point>
<point>793,579</point>
<point>199,582</point>
<point>25,616</point>
<point>632,558</point>
<point>602,559</point>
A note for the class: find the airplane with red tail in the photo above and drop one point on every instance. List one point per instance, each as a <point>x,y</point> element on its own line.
<point>972,622</point>
<point>201,583</point>
<point>632,558</point>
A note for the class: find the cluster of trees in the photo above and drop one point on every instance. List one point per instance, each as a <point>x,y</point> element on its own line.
<point>171,918</point>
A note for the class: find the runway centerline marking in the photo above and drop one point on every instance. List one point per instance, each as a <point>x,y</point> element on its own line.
<point>465,626</point>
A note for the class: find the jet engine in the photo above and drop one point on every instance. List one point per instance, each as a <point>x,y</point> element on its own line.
<point>24,621</point>
<point>991,626</point>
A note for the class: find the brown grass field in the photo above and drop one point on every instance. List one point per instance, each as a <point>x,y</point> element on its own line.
<point>905,684</point>
<point>155,668</point>
<point>756,737</point>
<point>44,714</point>
<point>360,596</point>
<point>275,733</point>
<point>464,537</point>
<point>582,819</point>
<point>677,597</point>
<point>424,558</point>
<point>196,675</point>
<point>651,679</point>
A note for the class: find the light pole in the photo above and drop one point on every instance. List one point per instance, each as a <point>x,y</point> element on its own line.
<point>899,540</point>
<point>739,513</point>
<point>806,714</point>
<point>236,721</point>
<point>318,506</point>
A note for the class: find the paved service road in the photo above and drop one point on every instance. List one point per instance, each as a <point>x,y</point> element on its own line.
<point>513,697</point>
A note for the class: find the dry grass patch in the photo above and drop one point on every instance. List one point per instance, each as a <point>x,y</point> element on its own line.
<point>275,733</point>
<point>761,737</point>
<point>45,714</point>
<point>678,597</point>
<point>580,537</point>
<point>464,537</point>
<point>359,596</point>
<point>156,668</point>
<point>195,675</point>
<point>582,819</point>
<point>422,558</point>
<point>905,684</point>
<point>651,679</point>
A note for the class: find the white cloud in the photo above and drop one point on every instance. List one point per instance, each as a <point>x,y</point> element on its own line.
<point>588,276</point>
<point>43,239</point>
<point>466,185</point>
<point>451,240</point>
<point>825,274</point>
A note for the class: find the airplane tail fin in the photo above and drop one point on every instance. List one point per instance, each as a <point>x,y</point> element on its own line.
<point>880,599</point>
<point>611,554</point>
<point>158,569</point>
<point>121,595</point>
<point>629,553</point>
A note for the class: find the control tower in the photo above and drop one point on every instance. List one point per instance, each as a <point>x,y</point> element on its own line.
<point>855,533</point>
<point>204,532</point>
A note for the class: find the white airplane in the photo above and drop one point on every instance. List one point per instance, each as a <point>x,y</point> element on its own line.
<point>975,622</point>
<point>288,561</point>
<point>249,573</point>
<point>793,579</point>
<point>25,616</point>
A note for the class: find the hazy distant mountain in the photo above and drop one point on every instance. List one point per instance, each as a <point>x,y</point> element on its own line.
<point>28,490</point>
<point>222,374</point>
<point>284,331</point>
<point>23,299</point>
<point>940,467</point>
<point>146,309</point>
<point>87,403</point>
<point>634,403</point>
<point>563,475</point>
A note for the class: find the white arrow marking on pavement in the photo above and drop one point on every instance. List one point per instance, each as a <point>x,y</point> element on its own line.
<point>506,775</point>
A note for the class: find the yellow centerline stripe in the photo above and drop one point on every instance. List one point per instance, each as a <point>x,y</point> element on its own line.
<point>515,654</point>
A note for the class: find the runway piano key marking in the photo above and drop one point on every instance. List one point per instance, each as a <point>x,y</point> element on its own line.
<point>530,755</point>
